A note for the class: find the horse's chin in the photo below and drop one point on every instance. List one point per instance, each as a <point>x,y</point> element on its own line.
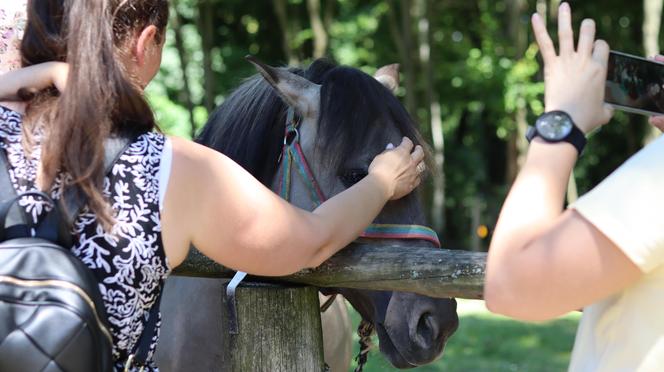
<point>392,353</point>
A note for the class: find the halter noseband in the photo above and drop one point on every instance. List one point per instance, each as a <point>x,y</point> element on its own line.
<point>292,154</point>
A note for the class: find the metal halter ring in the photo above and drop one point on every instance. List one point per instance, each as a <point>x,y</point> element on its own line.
<point>292,134</point>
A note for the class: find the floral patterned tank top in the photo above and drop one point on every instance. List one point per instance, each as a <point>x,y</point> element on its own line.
<point>129,262</point>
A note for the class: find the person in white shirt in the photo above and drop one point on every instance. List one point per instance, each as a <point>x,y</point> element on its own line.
<point>605,253</point>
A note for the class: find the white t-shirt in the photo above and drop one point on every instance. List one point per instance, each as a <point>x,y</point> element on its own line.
<point>625,332</point>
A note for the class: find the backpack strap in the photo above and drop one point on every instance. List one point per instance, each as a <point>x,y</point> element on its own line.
<point>141,352</point>
<point>74,199</point>
<point>56,226</point>
<point>15,215</point>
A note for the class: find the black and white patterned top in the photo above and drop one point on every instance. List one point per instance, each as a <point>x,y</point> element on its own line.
<point>129,262</point>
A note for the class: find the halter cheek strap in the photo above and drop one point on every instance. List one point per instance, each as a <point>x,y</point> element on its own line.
<point>292,155</point>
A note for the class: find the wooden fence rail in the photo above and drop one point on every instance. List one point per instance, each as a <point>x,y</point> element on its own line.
<point>428,271</point>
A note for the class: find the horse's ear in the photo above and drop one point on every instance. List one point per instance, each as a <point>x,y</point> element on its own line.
<point>389,76</point>
<point>298,92</point>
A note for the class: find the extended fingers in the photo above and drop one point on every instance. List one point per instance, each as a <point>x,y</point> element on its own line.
<point>565,32</point>
<point>543,39</point>
<point>601,52</point>
<point>586,38</point>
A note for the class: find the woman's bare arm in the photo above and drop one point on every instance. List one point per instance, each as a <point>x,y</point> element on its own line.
<point>36,77</point>
<point>232,218</point>
<point>543,262</point>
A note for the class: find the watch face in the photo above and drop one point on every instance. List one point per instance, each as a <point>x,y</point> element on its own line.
<point>554,126</point>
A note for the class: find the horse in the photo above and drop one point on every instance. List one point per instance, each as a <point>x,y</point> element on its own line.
<point>345,118</point>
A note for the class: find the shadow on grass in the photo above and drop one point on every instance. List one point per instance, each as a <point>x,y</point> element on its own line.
<point>485,342</point>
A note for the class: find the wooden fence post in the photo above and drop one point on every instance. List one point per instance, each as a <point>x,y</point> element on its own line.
<point>279,329</point>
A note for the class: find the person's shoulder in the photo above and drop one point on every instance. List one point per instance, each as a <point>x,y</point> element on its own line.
<point>191,150</point>
<point>193,159</point>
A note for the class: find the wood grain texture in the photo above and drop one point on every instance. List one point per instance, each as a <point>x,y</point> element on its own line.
<point>432,272</point>
<point>279,330</point>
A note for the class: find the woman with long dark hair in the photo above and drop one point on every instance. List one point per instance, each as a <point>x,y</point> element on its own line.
<point>163,194</point>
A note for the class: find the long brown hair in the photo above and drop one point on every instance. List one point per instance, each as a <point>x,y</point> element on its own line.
<point>100,98</point>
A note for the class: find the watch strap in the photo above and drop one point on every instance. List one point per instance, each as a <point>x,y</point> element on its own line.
<point>576,137</point>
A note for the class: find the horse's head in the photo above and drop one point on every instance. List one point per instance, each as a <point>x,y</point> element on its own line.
<point>347,117</point>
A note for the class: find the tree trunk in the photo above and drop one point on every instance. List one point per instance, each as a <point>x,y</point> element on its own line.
<point>553,6</point>
<point>281,11</point>
<point>517,144</point>
<point>329,14</point>
<point>402,34</point>
<point>320,35</point>
<point>279,329</point>
<point>424,12</point>
<point>541,8</point>
<point>652,16</point>
<point>407,33</point>
<point>206,30</point>
<point>182,53</point>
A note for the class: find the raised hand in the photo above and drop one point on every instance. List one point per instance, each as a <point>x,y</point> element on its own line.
<point>574,78</point>
<point>399,168</point>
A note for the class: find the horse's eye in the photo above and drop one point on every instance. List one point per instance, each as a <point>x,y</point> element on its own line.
<point>349,177</point>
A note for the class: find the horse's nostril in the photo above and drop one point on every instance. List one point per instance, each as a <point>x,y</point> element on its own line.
<point>426,331</point>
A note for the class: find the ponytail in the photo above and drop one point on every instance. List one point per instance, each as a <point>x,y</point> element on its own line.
<point>99,99</point>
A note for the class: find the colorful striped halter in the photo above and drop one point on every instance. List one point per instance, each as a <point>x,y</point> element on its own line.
<point>292,155</point>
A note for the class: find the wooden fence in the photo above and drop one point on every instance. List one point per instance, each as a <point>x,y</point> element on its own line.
<point>273,334</point>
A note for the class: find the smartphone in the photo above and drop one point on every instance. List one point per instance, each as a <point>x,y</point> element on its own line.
<point>635,84</point>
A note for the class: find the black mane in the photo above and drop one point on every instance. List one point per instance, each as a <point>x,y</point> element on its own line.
<point>249,125</point>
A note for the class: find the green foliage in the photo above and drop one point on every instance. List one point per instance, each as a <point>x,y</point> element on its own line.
<point>484,69</point>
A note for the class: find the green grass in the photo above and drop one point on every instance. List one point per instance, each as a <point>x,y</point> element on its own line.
<point>492,343</point>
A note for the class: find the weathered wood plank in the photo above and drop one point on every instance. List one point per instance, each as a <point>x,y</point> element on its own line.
<point>427,271</point>
<point>279,330</point>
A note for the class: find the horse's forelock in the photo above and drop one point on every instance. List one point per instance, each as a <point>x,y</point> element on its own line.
<point>354,107</point>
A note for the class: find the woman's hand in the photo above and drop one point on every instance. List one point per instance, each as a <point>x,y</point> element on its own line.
<point>657,121</point>
<point>399,168</point>
<point>574,79</point>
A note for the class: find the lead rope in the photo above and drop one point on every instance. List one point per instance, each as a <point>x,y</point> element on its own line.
<point>364,330</point>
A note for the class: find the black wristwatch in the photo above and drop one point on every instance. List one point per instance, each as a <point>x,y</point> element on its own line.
<point>557,126</point>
